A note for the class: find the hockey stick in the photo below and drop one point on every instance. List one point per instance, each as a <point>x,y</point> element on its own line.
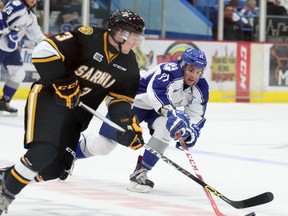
<point>253,201</point>
<point>196,171</point>
<point>101,117</point>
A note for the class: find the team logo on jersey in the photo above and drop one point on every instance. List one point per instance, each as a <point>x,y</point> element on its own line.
<point>16,3</point>
<point>98,57</point>
<point>87,30</point>
<point>93,75</point>
<point>172,66</point>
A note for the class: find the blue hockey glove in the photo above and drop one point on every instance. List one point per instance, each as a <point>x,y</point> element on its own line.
<point>12,38</point>
<point>177,121</point>
<point>190,137</point>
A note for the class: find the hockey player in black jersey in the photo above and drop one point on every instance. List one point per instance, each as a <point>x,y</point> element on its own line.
<point>86,64</point>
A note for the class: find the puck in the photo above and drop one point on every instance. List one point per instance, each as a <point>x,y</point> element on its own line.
<point>251,214</point>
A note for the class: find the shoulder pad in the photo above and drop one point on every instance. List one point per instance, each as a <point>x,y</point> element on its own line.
<point>17,4</point>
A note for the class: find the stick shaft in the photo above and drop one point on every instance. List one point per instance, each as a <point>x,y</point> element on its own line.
<point>253,201</point>
<point>199,176</point>
<point>101,117</point>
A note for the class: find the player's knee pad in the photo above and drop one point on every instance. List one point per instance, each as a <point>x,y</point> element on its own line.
<point>97,145</point>
<point>16,72</point>
<point>157,144</point>
<point>161,133</point>
<point>108,131</point>
<point>40,155</point>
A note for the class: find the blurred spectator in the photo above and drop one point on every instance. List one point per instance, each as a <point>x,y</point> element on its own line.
<point>55,5</point>
<point>99,12</point>
<point>249,11</point>
<point>232,30</point>
<point>1,4</point>
<point>274,7</point>
<point>69,17</point>
<point>237,16</point>
<point>234,4</point>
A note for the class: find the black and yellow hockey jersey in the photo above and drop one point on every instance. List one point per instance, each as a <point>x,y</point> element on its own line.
<point>101,70</point>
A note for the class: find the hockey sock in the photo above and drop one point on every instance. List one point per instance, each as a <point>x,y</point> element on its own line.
<point>79,152</point>
<point>19,176</point>
<point>149,159</point>
<point>8,93</point>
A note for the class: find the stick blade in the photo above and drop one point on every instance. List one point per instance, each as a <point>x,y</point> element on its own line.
<point>254,201</point>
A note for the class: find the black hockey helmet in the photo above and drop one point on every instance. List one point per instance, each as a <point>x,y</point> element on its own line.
<point>126,20</point>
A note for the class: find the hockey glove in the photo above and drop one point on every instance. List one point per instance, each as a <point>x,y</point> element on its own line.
<point>132,137</point>
<point>190,137</point>
<point>177,121</point>
<point>12,38</point>
<point>67,92</point>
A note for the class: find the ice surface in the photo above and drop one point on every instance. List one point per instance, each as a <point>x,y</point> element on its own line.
<point>242,152</point>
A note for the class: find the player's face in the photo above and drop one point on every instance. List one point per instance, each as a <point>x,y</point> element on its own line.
<point>131,40</point>
<point>31,3</point>
<point>251,3</point>
<point>192,74</point>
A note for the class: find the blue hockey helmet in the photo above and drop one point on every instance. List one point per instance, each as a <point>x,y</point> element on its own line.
<point>194,57</point>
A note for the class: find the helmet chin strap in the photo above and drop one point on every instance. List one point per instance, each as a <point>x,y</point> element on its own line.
<point>119,43</point>
<point>120,46</point>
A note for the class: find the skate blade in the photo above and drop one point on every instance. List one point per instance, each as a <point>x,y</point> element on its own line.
<point>138,188</point>
<point>8,114</point>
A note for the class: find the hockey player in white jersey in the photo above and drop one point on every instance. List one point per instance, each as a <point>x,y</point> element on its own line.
<point>16,20</point>
<point>163,89</point>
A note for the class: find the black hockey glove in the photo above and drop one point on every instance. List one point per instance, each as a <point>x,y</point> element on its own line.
<point>67,92</point>
<point>132,137</point>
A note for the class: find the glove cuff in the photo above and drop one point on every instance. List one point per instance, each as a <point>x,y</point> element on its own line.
<point>165,109</point>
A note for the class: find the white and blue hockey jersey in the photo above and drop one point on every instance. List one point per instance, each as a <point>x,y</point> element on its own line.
<point>19,19</point>
<point>164,85</point>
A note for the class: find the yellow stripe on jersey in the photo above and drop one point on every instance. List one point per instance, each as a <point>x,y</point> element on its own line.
<point>117,101</point>
<point>19,178</point>
<point>118,96</point>
<point>42,60</point>
<point>56,48</point>
<point>109,56</point>
<point>31,108</point>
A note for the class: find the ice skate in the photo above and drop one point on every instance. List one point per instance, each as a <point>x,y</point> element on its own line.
<point>79,155</point>
<point>67,172</point>
<point>6,109</point>
<point>6,198</point>
<point>139,181</point>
